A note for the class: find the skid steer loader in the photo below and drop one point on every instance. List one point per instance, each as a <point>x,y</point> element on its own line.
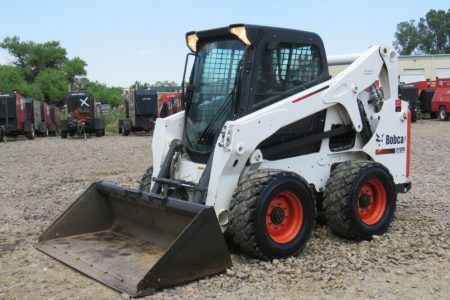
<point>267,141</point>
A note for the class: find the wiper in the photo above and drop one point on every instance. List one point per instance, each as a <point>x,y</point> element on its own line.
<point>216,118</point>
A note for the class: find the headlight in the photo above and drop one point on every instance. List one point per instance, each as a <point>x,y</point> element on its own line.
<point>191,41</point>
<point>241,33</point>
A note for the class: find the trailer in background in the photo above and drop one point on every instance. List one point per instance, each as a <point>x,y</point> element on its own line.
<point>13,117</point>
<point>82,117</point>
<point>33,108</point>
<point>46,120</point>
<point>440,104</point>
<point>410,93</point>
<point>55,116</point>
<point>434,97</point>
<point>141,111</point>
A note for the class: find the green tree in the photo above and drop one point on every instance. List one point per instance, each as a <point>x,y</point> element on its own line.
<point>431,35</point>
<point>105,94</point>
<point>74,67</point>
<point>406,37</point>
<point>53,85</point>
<point>434,31</point>
<point>11,78</point>
<point>48,55</point>
<point>33,57</point>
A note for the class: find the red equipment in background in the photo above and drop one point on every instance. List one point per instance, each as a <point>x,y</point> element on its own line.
<point>434,96</point>
<point>55,115</point>
<point>169,103</point>
<point>440,103</point>
<point>13,116</point>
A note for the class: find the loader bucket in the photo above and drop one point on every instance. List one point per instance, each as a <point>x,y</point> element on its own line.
<point>137,242</point>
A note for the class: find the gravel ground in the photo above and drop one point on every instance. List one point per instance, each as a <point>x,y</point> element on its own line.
<point>411,261</point>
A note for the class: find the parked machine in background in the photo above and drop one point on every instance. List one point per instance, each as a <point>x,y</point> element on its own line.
<point>267,139</point>
<point>440,103</point>
<point>410,93</point>
<point>13,117</point>
<point>33,107</point>
<point>433,96</point>
<point>169,104</point>
<point>46,119</point>
<point>141,109</point>
<point>55,115</point>
<point>82,117</point>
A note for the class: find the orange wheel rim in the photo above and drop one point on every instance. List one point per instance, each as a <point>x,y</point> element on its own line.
<point>372,202</point>
<point>284,217</point>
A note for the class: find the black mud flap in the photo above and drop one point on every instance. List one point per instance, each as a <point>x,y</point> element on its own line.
<point>137,242</point>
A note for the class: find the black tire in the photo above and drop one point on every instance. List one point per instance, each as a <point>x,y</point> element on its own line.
<point>30,134</point>
<point>413,115</point>
<point>63,134</point>
<point>251,216</point>
<point>146,180</point>
<point>353,200</point>
<point>443,114</point>
<point>98,133</point>
<point>103,132</point>
<point>71,133</point>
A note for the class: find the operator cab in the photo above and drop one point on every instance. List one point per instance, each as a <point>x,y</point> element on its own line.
<point>243,68</point>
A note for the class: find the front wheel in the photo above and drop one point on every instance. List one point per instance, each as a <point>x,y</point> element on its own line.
<point>443,114</point>
<point>146,180</point>
<point>272,214</point>
<point>359,200</point>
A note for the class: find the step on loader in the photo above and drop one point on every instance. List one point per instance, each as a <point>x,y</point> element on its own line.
<point>267,141</point>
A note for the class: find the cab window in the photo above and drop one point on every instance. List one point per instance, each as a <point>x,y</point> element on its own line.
<point>286,69</point>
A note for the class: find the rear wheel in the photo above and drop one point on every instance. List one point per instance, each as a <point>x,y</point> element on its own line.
<point>413,115</point>
<point>2,135</point>
<point>30,134</point>
<point>272,214</point>
<point>146,180</point>
<point>443,114</point>
<point>124,131</point>
<point>359,200</point>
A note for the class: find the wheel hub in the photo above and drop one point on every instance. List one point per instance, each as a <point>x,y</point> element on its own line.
<point>284,217</point>
<point>364,201</point>
<point>277,215</point>
<point>372,201</point>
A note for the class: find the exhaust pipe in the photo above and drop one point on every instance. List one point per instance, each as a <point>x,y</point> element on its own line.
<point>137,242</point>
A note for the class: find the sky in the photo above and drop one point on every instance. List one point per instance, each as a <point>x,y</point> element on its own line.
<point>127,41</point>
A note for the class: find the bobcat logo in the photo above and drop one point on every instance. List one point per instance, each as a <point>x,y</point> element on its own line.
<point>379,138</point>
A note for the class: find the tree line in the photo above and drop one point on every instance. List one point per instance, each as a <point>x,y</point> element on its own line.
<point>43,71</point>
<point>430,35</point>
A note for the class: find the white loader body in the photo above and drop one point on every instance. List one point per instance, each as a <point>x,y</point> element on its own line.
<point>236,151</point>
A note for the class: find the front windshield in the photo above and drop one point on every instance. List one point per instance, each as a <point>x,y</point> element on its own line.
<point>214,86</point>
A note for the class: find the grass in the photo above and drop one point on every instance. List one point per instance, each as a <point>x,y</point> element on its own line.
<point>112,120</point>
